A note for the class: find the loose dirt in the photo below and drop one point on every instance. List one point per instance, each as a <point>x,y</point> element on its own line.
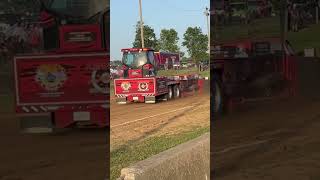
<point>136,121</point>
<point>75,154</point>
<point>274,140</point>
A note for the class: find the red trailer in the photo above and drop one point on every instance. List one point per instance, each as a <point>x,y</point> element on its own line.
<point>67,85</point>
<point>166,60</point>
<point>140,82</point>
<point>250,70</point>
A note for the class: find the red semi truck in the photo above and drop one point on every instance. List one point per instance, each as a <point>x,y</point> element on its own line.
<point>166,60</point>
<point>140,82</point>
<point>67,84</point>
<point>251,69</point>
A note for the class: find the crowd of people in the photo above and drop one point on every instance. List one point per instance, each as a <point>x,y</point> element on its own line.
<point>301,14</point>
<point>226,12</point>
<point>19,38</point>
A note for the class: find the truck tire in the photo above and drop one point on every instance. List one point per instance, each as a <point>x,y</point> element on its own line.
<point>176,91</point>
<point>218,98</point>
<point>36,124</point>
<point>170,93</point>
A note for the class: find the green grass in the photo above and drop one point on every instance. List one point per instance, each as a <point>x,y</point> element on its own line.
<point>270,27</point>
<point>126,155</point>
<point>183,72</point>
<point>267,27</point>
<point>306,38</point>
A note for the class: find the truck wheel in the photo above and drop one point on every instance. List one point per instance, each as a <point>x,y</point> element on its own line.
<point>36,124</point>
<point>176,91</point>
<point>170,93</point>
<point>217,98</point>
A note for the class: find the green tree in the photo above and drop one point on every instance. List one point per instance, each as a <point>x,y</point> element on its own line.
<point>184,60</point>
<point>168,41</point>
<point>150,40</point>
<point>182,54</point>
<point>19,6</point>
<point>196,43</point>
<point>276,4</point>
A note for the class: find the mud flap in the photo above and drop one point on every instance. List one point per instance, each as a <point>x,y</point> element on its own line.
<point>41,123</point>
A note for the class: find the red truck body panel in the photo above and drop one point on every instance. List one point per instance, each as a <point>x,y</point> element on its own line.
<point>152,86</point>
<point>85,38</point>
<point>72,83</point>
<point>63,84</point>
<point>133,86</point>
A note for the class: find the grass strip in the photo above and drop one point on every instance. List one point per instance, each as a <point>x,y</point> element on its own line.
<point>126,155</point>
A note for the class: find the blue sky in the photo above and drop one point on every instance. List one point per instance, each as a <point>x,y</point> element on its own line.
<point>159,14</point>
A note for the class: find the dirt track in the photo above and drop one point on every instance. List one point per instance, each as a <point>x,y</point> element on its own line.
<point>276,140</point>
<point>76,154</point>
<point>82,154</point>
<point>136,121</point>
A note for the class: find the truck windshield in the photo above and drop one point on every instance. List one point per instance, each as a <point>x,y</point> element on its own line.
<point>134,59</point>
<point>72,8</point>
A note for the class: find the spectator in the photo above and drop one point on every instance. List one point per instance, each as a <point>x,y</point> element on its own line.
<point>166,65</point>
<point>294,17</point>
<point>3,53</point>
<point>34,35</point>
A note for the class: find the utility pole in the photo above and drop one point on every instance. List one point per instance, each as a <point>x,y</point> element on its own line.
<point>317,11</point>
<point>283,23</point>
<point>141,24</point>
<point>207,13</point>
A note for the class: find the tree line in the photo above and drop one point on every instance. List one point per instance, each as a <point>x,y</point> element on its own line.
<point>194,40</point>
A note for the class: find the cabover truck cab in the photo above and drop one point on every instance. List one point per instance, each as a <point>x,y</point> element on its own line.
<point>250,70</point>
<point>67,84</point>
<point>140,82</point>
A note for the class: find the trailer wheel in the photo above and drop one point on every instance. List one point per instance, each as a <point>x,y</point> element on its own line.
<point>176,91</point>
